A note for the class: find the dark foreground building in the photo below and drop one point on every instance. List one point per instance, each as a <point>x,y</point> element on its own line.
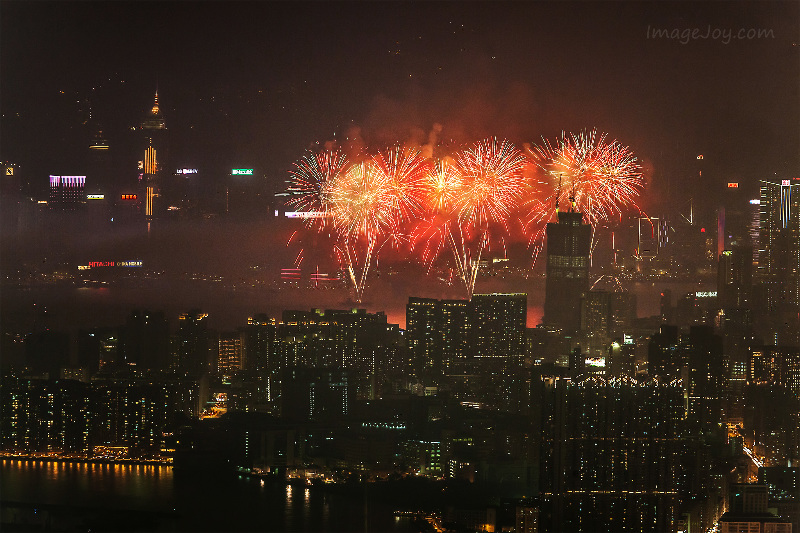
<point>568,246</point>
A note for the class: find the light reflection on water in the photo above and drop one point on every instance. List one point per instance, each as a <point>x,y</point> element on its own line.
<point>200,503</point>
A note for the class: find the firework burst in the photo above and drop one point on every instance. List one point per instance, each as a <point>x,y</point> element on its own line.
<point>467,204</point>
<point>370,204</point>
<point>597,177</point>
<point>467,201</point>
<point>312,180</point>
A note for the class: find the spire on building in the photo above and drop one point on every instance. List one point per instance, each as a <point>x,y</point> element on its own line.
<point>154,120</point>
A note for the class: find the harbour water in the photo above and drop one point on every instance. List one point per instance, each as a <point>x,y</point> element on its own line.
<point>61,496</point>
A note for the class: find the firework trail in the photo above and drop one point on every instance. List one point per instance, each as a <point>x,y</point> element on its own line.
<point>440,188</point>
<point>370,204</point>
<point>467,202</point>
<point>493,185</point>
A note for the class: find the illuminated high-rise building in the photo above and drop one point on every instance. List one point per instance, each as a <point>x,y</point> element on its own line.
<point>456,334</point>
<point>100,180</point>
<point>776,366</point>
<point>317,394</point>
<point>438,334</point>
<point>704,376</point>
<point>230,356</point>
<point>779,243</point>
<point>154,120</point>
<point>150,161</point>
<point>605,314</point>
<point>462,336</point>
<point>664,359</point>
<point>568,249</point>
<point>498,330</point>
<point>424,334</point>
<point>153,157</point>
<point>612,453</point>
<point>67,192</point>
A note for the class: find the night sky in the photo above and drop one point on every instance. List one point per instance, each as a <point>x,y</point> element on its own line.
<point>256,83</point>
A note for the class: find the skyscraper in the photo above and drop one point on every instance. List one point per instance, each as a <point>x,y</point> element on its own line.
<point>612,453</point>
<point>424,331</point>
<point>735,277</point>
<point>568,246</point>
<point>192,343</point>
<point>498,330</point>
<point>67,192</point>
<point>153,155</point>
<point>705,380</point>
<point>448,337</point>
<point>779,243</point>
<point>664,360</point>
<point>230,358</point>
<point>456,334</point>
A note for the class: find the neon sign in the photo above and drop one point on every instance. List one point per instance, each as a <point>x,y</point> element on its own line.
<point>186,171</point>
<point>305,214</point>
<point>127,197</point>
<point>242,172</point>
<point>109,264</point>
<point>705,294</point>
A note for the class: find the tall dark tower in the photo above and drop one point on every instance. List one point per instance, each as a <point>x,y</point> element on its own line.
<point>153,154</point>
<point>192,341</point>
<point>735,277</point>
<point>568,245</point>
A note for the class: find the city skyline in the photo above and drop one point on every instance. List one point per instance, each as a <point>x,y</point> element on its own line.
<point>425,265</point>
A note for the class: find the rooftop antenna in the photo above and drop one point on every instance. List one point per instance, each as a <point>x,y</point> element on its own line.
<point>558,191</point>
<point>572,198</point>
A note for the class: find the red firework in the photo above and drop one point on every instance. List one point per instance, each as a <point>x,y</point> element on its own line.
<point>596,177</point>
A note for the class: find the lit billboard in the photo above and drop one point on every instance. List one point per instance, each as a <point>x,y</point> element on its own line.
<point>242,172</point>
<point>705,294</point>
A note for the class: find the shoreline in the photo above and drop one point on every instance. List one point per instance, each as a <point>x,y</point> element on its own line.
<point>83,460</point>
